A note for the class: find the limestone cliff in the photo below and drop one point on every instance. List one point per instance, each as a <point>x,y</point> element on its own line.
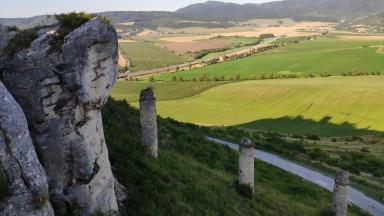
<point>61,90</point>
<point>19,162</point>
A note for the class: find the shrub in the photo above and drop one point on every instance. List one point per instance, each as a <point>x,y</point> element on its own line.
<point>313,137</point>
<point>267,35</point>
<point>12,28</point>
<point>22,40</point>
<point>69,22</point>
<point>151,79</point>
<point>295,136</point>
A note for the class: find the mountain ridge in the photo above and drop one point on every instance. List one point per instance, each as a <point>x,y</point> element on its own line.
<point>336,10</point>
<point>308,10</point>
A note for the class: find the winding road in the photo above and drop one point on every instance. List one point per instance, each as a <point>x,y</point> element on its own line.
<point>356,197</point>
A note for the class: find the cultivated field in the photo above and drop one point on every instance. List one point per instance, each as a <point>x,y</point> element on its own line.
<point>325,55</point>
<point>195,46</point>
<point>335,106</point>
<point>143,56</point>
<point>186,42</point>
<point>165,91</point>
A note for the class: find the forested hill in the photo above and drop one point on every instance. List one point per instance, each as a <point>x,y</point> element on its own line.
<point>366,11</point>
<point>299,9</point>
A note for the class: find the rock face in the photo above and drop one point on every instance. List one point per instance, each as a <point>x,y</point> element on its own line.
<point>148,122</point>
<point>19,162</point>
<point>246,164</point>
<point>61,91</point>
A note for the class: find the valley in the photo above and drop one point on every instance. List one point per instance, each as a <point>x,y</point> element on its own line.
<point>209,109</point>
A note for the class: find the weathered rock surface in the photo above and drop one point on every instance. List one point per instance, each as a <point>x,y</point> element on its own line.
<point>61,91</point>
<point>19,162</point>
<point>148,122</point>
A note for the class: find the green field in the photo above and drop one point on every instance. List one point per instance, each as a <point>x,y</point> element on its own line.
<point>165,91</point>
<point>335,106</point>
<point>144,55</point>
<point>330,55</point>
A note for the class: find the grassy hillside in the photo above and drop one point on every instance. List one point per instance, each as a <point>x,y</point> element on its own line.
<point>335,106</point>
<point>143,55</point>
<point>330,55</point>
<point>195,177</point>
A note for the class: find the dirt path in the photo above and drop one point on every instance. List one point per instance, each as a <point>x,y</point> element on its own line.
<point>123,61</point>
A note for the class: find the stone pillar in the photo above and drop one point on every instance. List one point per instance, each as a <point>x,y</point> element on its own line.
<point>246,164</point>
<point>340,192</point>
<point>148,122</point>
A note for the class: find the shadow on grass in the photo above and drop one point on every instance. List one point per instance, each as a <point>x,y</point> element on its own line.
<point>299,125</point>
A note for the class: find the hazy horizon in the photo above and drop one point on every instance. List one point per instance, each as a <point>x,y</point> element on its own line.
<point>27,8</point>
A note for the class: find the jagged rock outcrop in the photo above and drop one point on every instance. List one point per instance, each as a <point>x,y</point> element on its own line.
<point>61,90</point>
<point>18,160</point>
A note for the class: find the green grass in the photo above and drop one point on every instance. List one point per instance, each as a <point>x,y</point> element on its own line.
<point>328,160</point>
<point>164,91</point>
<point>144,55</point>
<point>242,40</point>
<point>335,106</point>
<point>195,177</point>
<point>333,56</point>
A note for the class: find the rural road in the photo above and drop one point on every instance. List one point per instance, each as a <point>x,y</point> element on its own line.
<point>356,197</point>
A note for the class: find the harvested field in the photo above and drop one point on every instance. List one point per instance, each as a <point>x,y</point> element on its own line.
<point>299,29</point>
<point>126,41</point>
<point>122,61</point>
<point>184,47</point>
<point>148,32</point>
<point>184,39</point>
<point>268,22</point>
<point>145,56</point>
<point>291,29</point>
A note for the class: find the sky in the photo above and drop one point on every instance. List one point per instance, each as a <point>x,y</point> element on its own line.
<point>27,8</point>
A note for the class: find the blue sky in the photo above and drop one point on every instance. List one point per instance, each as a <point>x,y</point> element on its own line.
<point>26,8</point>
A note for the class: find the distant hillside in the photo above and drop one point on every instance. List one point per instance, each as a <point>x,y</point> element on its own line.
<point>212,11</point>
<point>298,9</point>
<point>375,20</point>
<point>139,19</point>
<point>30,22</point>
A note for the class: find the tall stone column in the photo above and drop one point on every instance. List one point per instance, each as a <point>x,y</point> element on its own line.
<point>246,164</point>
<point>148,121</point>
<point>340,192</point>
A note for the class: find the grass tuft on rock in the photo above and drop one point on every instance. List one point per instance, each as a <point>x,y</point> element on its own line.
<point>22,40</point>
<point>69,22</point>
